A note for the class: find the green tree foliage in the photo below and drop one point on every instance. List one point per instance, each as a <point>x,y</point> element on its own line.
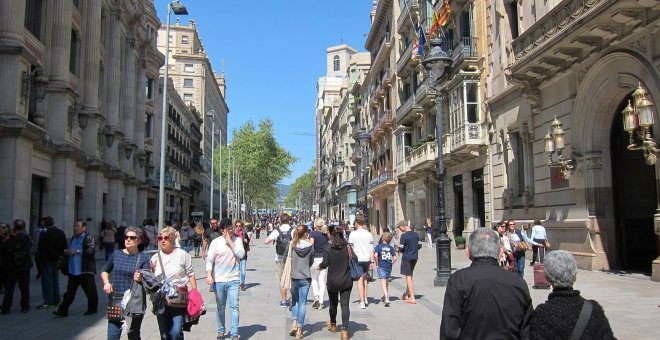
<point>260,160</point>
<point>301,192</point>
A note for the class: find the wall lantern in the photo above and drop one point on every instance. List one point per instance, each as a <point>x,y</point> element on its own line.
<point>554,144</point>
<point>638,121</point>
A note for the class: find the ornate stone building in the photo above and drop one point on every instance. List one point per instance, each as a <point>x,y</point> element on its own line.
<point>576,63</point>
<point>199,86</point>
<point>76,109</point>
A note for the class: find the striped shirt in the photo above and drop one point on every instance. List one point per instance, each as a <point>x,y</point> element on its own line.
<point>223,261</point>
<point>121,267</point>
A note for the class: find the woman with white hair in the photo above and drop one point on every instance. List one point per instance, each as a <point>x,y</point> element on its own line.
<point>319,239</point>
<point>558,317</point>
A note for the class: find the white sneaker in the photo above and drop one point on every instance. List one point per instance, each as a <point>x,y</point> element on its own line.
<point>366,302</point>
<point>362,305</point>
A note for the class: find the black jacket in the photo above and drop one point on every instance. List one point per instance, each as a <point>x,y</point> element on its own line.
<point>88,260</point>
<point>556,318</point>
<point>15,253</point>
<point>485,301</point>
<point>339,276</point>
<point>51,245</point>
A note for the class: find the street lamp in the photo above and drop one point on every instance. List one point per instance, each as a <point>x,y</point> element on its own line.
<point>339,168</point>
<point>638,122</point>
<point>364,140</point>
<point>179,9</point>
<point>554,143</point>
<point>211,114</point>
<point>437,62</point>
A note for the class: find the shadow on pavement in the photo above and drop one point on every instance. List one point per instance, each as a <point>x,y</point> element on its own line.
<point>248,331</point>
<point>250,285</point>
<point>312,328</point>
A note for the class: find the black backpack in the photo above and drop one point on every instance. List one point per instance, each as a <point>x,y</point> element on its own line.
<point>20,252</point>
<point>282,242</point>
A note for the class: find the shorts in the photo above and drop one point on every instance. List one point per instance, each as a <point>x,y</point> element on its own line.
<point>364,266</point>
<point>407,267</point>
<point>279,268</point>
<point>384,274</point>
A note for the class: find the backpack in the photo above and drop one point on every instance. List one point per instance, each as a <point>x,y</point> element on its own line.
<point>20,251</point>
<point>282,242</point>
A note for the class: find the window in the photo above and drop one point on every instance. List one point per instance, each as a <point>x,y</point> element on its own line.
<point>188,82</point>
<point>521,171</point>
<point>73,53</point>
<point>335,63</point>
<point>472,102</point>
<point>148,126</point>
<point>187,97</point>
<point>188,68</point>
<point>33,17</point>
<point>465,24</point>
<point>170,38</point>
<point>149,88</point>
<point>513,18</point>
<point>184,39</point>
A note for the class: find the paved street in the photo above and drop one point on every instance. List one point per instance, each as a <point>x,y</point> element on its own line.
<point>631,303</point>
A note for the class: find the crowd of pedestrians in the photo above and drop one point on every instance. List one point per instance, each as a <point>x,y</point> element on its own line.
<point>488,299</point>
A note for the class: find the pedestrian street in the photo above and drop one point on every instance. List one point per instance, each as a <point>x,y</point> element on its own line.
<point>631,303</point>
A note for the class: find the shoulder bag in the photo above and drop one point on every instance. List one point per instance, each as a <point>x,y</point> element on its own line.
<point>520,245</point>
<point>581,323</point>
<point>356,271</point>
<point>181,299</point>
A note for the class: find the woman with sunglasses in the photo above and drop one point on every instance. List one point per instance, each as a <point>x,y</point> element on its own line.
<point>122,265</point>
<point>178,268</point>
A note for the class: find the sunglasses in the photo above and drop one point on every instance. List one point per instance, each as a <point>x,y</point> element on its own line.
<point>129,237</point>
<point>163,238</point>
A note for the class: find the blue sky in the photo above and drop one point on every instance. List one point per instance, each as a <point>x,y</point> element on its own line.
<point>274,53</point>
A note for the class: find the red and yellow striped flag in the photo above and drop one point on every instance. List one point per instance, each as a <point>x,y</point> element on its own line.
<point>439,20</point>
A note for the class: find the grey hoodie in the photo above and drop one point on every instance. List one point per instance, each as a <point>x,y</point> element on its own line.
<point>301,260</point>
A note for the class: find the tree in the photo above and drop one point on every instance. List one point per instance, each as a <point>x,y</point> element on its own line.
<point>301,193</point>
<point>260,161</point>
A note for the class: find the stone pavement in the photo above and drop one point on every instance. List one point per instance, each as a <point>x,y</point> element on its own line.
<point>631,303</point>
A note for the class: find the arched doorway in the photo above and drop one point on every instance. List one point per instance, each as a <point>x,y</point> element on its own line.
<point>635,201</point>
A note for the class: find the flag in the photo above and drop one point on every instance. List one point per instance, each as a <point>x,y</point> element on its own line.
<point>418,47</point>
<point>439,20</point>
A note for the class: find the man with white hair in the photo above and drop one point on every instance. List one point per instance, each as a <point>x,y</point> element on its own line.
<point>484,300</point>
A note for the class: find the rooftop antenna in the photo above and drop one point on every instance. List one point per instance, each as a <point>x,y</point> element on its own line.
<point>222,67</point>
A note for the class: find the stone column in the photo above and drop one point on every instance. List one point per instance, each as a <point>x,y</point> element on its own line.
<point>128,107</point>
<point>115,194</point>
<point>130,196</point>
<point>141,205</point>
<point>93,197</point>
<point>91,30</point>
<point>112,73</point>
<point>63,191</point>
<point>139,117</point>
<point>12,13</point>
<point>15,177</point>
<point>57,117</point>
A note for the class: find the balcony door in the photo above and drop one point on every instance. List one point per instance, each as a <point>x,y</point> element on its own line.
<point>459,219</point>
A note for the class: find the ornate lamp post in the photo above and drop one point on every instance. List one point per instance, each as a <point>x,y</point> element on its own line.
<point>364,140</point>
<point>179,9</point>
<point>554,143</point>
<point>436,63</point>
<point>211,114</point>
<point>339,168</point>
<point>638,122</point>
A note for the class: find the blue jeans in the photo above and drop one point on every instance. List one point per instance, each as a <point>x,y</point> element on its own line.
<point>243,268</point>
<point>185,244</point>
<point>109,249</point>
<point>520,263</point>
<point>170,323</point>
<point>299,290</point>
<point>227,293</point>
<point>134,325</point>
<point>50,283</point>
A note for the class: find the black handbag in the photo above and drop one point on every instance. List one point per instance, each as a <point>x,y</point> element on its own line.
<point>114,311</point>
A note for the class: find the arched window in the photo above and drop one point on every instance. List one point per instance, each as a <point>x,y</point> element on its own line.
<point>335,62</point>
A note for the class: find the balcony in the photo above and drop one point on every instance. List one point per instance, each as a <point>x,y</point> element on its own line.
<point>384,121</point>
<point>410,10</point>
<point>418,162</point>
<point>387,79</point>
<point>383,52</point>
<point>404,61</point>
<point>382,183</point>
<point>465,52</point>
<point>425,94</point>
<point>408,106</point>
<point>463,143</point>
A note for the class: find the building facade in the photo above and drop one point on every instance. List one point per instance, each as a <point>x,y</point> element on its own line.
<point>75,109</point>
<point>576,63</point>
<point>200,87</point>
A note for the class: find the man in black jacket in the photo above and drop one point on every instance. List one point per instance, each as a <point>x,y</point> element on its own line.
<point>15,253</point>
<point>80,267</point>
<point>485,301</point>
<point>51,248</point>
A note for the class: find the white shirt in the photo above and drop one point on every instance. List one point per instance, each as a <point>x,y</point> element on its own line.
<point>362,242</point>
<point>538,232</point>
<point>223,261</point>
<point>273,237</point>
<point>178,266</point>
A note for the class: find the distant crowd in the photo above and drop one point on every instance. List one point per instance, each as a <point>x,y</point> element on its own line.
<point>488,299</point>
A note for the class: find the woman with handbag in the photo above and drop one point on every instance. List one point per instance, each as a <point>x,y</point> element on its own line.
<point>173,266</point>
<point>302,257</point>
<point>123,264</point>
<point>340,284</point>
<point>520,243</point>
